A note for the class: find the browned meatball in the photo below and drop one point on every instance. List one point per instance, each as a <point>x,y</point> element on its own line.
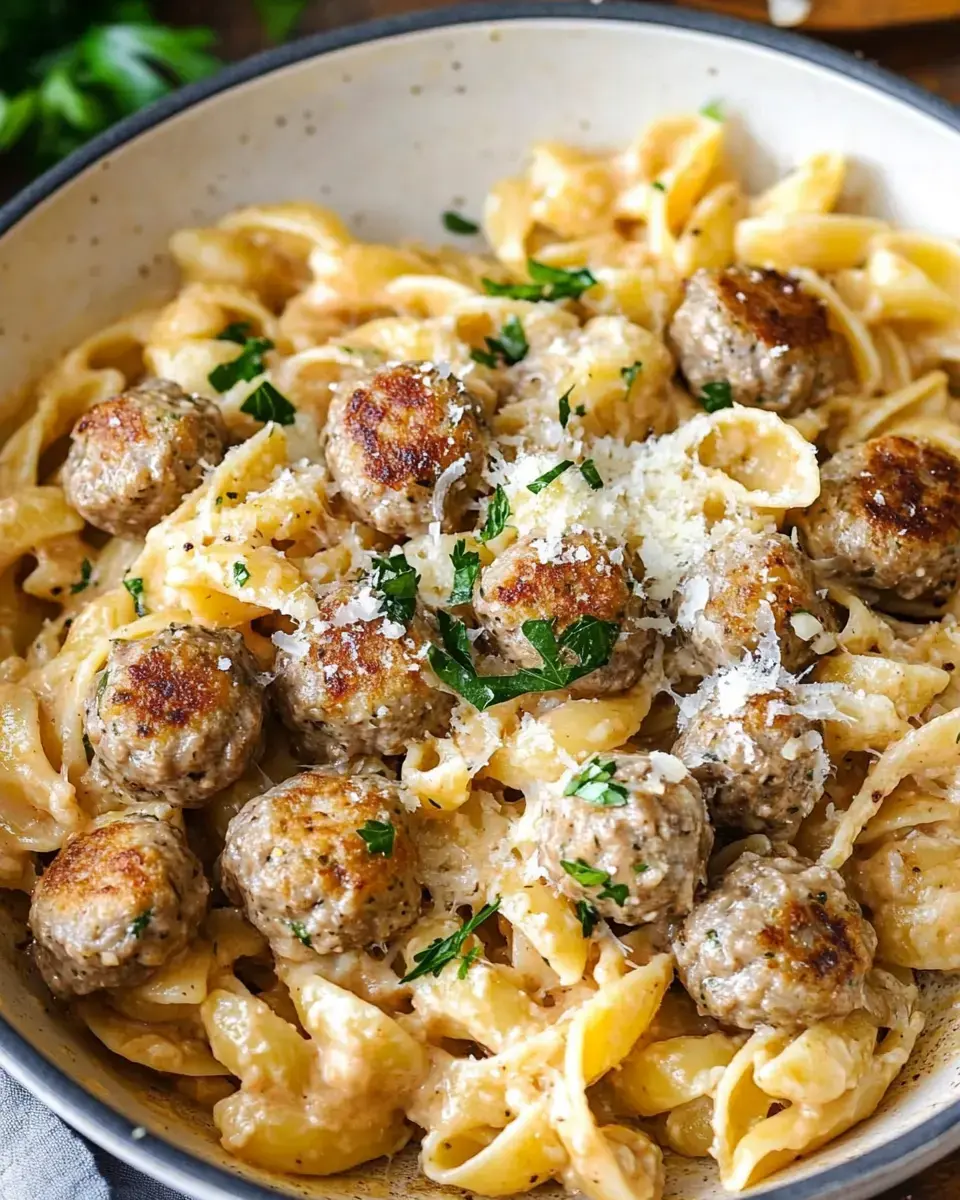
<point>356,683</point>
<point>888,515</point>
<point>763,334</point>
<point>741,580</point>
<point>133,458</point>
<point>323,863</point>
<point>116,903</point>
<point>575,576</point>
<point>407,448</point>
<point>777,942</point>
<point>761,770</point>
<point>177,715</point>
<point>630,837</point>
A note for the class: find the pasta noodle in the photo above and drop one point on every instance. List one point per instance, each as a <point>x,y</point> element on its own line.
<point>535,1039</point>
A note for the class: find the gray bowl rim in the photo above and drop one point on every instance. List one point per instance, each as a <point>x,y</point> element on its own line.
<point>881,1167</point>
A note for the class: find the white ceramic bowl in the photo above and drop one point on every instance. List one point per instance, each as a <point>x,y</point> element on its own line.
<point>391,123</point>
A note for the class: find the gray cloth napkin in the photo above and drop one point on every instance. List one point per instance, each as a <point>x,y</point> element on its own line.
<point>42,1159</point>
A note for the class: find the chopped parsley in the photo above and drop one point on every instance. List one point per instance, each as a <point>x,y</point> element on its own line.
<point>265,403</point>
<point>629,374</point>
<point>498,513</point>
<point>588,638</point>
<point>590,877</point>
<point>640,867</point>
<point>587,916</point>
<point>661,187</point>
<point>713,937</point>
<point>433,958</point>
<point>467,960</point>
<point>240,574</point>
<point>564,407</point>
<point>511,346</point>
<point>88,748</point>
<point>238,331</point>
<point>454,222</point>
<point>714,396</point>
<point>396,581</point>
<point>594,785</point>
<point>713,110</point>
<point>299,931</point>
<point>140,923</point>
<point>246,366</point>
<point>590,473</point>
<point>549,476</point>
<point>548,283</point>
<point>135,588</point>
<point>378,836</point>
<point>84,582</point>
<point>466,569</point>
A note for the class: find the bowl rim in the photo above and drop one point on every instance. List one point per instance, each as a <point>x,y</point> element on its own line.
<point>885,1165</point>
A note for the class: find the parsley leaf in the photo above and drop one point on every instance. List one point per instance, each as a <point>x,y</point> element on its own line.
<point>549,283</point>
<point>589,639</point>
<point>84,582</point>
<point>265,403</point>
<point>713,110</point>
<point>593,784</point>
<point>279,17</point>
<point>246,366</point>
<point>587,916</point>
<point>467,960</point>
<point>549,476</point>
<point>511,346</point>
<point>590,473</point>
<point>378,836</point>
<point>454,222</point>
<point>589,877</point>
<point>236,331</point>
<point>396,581</point>
<point>564,406</point>
<point>433,958</point>
<point>240,574</point>
<point>715,396</point>
<point>661,187</point>
<point>299,931</point>
<point>629,374</point>
<point>466,568</point>
<point>135,588</point>
<point>139,923</point>
<point>498,513</point>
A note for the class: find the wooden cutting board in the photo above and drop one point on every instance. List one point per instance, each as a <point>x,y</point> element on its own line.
<point>843,14</point>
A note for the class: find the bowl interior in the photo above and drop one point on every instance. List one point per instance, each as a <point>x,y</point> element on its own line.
<point>390,133</point>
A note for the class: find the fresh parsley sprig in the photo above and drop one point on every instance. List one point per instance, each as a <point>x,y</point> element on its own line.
<point>396,581</point>
<point>590,640</point>
<point>246,366</point>
<point>86,571</point>
<point>441,951</point>
<point>588,917</point>
<point>548,283</point>
<point>591,877</point>
<point>629,374</point>
<point>466,570</point>
<point>498,514</point>
<point>454,222</point>
<point>549,476</point>
<point>265,403</point>
<point>135,588</point>
<point>714,396</point>
<point>511,346</point>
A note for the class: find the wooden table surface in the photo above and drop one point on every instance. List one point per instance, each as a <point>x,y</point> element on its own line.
<point>930,55</point>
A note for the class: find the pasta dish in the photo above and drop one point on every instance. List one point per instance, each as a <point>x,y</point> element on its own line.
<point>502,696</point>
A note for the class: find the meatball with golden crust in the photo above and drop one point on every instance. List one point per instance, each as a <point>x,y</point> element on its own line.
<point>738,583</point>
<point>575,576</point>
<point>629,836</point>
<point>354,682</point>
<point>407,448</point>
<point>116,903</point>
<point>295,861</point>
<point>777,942</point>
<point>762,769</point>
<point>888,515</point>
<point>763,334</point>
<point>178,715</point>
<point>132,459</point>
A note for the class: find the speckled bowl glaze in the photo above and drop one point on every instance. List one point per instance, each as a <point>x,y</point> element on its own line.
<point>392,123</point>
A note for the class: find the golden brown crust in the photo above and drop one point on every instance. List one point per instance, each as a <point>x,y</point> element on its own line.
<point>108,861</point>
<point>807,936</point>
<point>402,421</point>
<point>170,690</point>
<point>118,421</point>
<point>909,488</point>
<point>773,308</point>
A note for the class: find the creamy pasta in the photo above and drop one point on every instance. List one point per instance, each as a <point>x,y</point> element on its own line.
<point>542,649</point>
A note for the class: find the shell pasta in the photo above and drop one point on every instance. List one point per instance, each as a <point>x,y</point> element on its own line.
<point>499,697</point>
